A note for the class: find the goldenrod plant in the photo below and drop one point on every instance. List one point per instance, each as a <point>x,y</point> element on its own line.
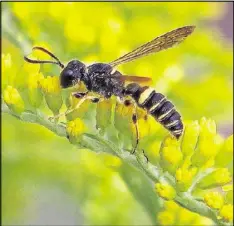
<point>88,153</point>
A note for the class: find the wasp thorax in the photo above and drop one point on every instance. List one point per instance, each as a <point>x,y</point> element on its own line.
<point>72,73</point>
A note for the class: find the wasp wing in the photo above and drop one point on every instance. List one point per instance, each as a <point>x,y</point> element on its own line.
<point>160,43</point>
<point>132,78</point>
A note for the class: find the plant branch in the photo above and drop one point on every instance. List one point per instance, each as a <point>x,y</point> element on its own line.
<point>139,161</point>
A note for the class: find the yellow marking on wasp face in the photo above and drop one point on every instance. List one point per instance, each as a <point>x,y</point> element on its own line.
<point>164,115</point>
<point>145,95</point>
<point>156,105</point>
<point>172,123</point>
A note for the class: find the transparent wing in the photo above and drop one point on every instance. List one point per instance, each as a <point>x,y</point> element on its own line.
<point>132,78</point>
<point>160,43</point>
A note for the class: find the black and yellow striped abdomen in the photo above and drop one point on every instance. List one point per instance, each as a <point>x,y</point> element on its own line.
<point>158,106</point>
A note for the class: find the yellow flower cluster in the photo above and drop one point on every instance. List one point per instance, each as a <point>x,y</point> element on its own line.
<point>214,200</point>
<point>219,177</point>
<point>13,99</point>
<point>165,191</point>
<point>173,214</point>
<point>190,138</point>
<point>166,218</point>
<point>223,201</point>
<point>207,147</point>
<point>226,212</point>
<point>34,92</point>
<point>171,155</point>
<point>184,160</point>
<point>184,177</point>
<point>75,128</point>
<point>52,91</point>
<point>35,80</point>
<point>225,154</point>
<point>50,84</point>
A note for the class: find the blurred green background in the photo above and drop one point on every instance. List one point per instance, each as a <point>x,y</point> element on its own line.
<point>45,180</point>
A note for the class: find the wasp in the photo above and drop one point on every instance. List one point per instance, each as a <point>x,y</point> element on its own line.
<point>104,80</point>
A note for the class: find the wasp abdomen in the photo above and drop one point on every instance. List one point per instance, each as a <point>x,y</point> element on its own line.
<point>158,106</point>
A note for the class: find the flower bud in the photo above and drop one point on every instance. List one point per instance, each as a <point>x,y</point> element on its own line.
<point>225,154</point>
<point>219,177</point>
<point>226,213</point>
<point>103,115</point>
<point>170,155</point>
<point>213,200</point>
<point>13,100</point>
<point>52,91</point>
<point>166,218</point>
<point>190,138</point>
<point>207,143</point>
<point>184,178</point>
<point>34,91</point>
<point>165,191</point>
<point>75,129</point>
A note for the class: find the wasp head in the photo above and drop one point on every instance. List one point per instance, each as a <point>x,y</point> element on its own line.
<point>72,73</point>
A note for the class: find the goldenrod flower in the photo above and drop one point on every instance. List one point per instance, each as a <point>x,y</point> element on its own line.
<point>103,114</point>
<point>50,84</point>
<point>208,127</point>
<point>13,99</point>
<point>52,90</point>
<point>166,218</point>
<point>184,177</point>
<point>190,138</point>
<point>180,216</point>
<point>165,191</point>
<point>75,128</point>
<point>34,92</point>
<point>226,212</point>
<point>220,176</point>
<point>207,142</point>
<point>225,154</point>
<point>170,155</point>
<point>214,200</point>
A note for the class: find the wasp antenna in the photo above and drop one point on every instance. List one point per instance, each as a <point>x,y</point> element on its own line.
<point>41,61</point>
<point>50,54</point>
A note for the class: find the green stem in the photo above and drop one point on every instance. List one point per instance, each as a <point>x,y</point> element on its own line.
<point>138,160</point>
<point>187,201</point>
<point>199,177</point>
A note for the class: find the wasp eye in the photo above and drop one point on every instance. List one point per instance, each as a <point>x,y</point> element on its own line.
<point>69,73</point>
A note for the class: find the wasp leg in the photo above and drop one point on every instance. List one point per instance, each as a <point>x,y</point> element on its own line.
<point>83,99</point>
<point>79,94</point>
<point>135,122</point>
<point>147,159</point>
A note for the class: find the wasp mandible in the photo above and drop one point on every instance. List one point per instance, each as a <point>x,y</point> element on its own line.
<point>104,80</point>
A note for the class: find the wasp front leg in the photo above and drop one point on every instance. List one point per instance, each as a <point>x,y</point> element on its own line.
<point>83,96</point>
